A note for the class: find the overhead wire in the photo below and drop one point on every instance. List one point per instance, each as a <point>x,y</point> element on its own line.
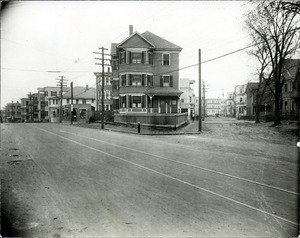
<point>183,68</point>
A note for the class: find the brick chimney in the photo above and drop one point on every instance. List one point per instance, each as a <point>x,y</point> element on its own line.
<point>130,30</point>
<point>86,87</point>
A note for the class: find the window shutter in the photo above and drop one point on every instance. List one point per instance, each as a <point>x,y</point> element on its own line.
<point>143,101</point>
<point>130,79</point>
<point>150,58</point>
<point>143,79</point>
<point>161,81</point>
<point>171,81</point>
<point>129,57</point>
<point>143,57</point>
<point>130,101</point>
<point>151,80</point>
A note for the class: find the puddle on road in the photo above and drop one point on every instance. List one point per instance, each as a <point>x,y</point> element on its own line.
<point>192,137</point>
<point>14,162</point>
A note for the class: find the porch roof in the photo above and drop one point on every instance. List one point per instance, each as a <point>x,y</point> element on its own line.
<point>163,91</point>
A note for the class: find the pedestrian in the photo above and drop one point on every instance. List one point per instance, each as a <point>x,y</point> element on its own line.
<point>193,117</point>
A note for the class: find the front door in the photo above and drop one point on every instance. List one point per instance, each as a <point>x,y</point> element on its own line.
<point>162,105</point>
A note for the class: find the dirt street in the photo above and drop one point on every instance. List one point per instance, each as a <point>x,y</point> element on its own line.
<point>235,179</point>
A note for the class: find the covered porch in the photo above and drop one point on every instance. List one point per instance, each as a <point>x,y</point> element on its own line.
<point>158,106</point>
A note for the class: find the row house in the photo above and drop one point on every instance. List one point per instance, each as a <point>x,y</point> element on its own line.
<point>49,110</point>
<point>26,110</point>
<point>30,107</point>
<point>13,112</point>
<point>145,68</point>
<point>240,100</point>
<point>188,99</point>
<point>107,88</point>
<point>230,104</point>
<point>289,95</point>
<point>212,106</point>
<point>52,102</point>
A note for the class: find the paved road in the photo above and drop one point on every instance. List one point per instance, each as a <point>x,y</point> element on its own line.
<point>61,180</point>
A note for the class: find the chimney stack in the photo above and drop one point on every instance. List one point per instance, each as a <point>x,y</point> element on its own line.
<point>87,87</point>
<point>130,30</point>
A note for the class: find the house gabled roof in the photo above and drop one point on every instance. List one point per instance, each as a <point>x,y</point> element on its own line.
<point>290,68</point>
<point>136,40</point>
<point>147,39</point>
<point>160,43</point>
<point>251,87</point>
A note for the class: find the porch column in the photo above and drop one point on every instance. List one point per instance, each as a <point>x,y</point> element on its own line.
<point>146,101</point>
<point>127,102</point>
<point>151,103</point>
<point>159,104</point>
<point>166,100</point>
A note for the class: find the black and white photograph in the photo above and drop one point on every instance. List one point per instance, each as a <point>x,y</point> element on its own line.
<point>150,119</point>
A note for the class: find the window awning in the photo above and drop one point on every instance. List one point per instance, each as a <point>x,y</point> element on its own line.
<point>163,91</point>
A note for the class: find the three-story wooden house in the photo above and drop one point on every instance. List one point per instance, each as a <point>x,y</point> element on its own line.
<point>146,80</point>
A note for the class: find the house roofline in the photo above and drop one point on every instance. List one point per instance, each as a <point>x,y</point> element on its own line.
<point>136,33</point>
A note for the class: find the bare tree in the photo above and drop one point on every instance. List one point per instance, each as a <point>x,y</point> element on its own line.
<point>278,30</point>
<point>261,53</point>
<point>291,6</point>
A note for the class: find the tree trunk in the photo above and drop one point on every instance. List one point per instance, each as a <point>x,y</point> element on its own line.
<point>277,111</point>
<point>257,117</point>
<point>257,108</point>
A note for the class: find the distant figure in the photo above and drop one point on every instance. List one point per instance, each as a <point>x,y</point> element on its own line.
<point>193,117</point>
<point>1,119</point>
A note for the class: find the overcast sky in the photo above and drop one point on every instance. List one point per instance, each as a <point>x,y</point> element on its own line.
<point>37,37</point>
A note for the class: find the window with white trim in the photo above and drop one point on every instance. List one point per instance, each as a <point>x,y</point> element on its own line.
<point>136,101</point>
<point>166,81</point>
<point>136,58</point>
<point>166,59</point>
<point>136,80</point>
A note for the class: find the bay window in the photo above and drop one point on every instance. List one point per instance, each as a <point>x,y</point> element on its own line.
<point>136,58</point>
<point>136,80</point>
<point>136,101</point>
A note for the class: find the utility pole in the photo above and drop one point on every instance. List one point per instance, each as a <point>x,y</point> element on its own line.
<point>60,83</point>
<point>12,110</point>
<point>200,100</point>
<point>71,107</point>
<point>204,91</point>
<point>203,100</point>
<point>30,106</point>
<point>102,82</point>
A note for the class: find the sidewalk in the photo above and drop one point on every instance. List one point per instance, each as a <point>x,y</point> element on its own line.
<point>223,127</point>
<point>189,128</point>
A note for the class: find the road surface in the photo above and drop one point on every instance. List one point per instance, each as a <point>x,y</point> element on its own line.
<point>61,180</point>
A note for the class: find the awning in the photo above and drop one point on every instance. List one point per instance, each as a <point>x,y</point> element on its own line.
<point>163,91</point>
